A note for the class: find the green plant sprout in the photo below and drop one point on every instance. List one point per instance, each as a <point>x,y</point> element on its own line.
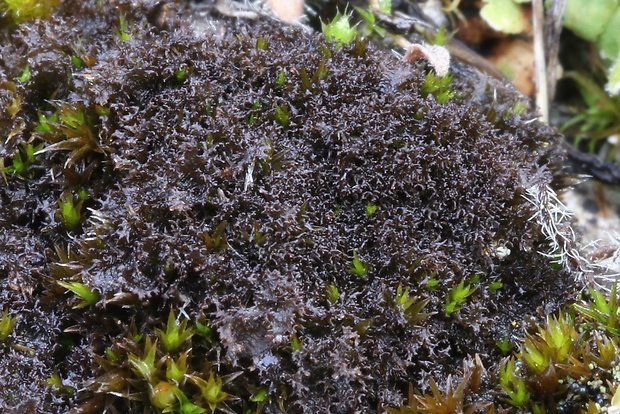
<point>111,355</point>
<point>56,382</point>
<point>340,29</point>
<point>370,22</point>
<point>475,279</point>
<point>606,313</point>
<point>358,268</point>
<point>261,43</point>
<point>307,83</point>
<point>260,395</point>
<point>27,10</point>
<point>551,345</point>
<point>371,209</point>
<point>505,346</point>
<point>123,33</point>
<point>432,282</point>
<point>519,108</point>
<point>76,62</point>
<point>15,105</point>
<point>22,160</point>
<point>217,240</point>
<point>512,383</point>
<point>211,390</point>
<point>163,396</point>
<point>25,76</point>
<point>438,86</point>
<point>254,114</point>
<point>86,295</point>
<point>180,75</point>
<point>331,293</point>
<point>296,343</point>
<point>70,211</point>
<point>72,129</point>
<point>204,330</point>
<point>457,297</point>
<point>495,286</point>
<point>451,401</point>
<point>7,324</point>
<point>282,116</point>
<point>177,370</point>
<point>176,333</point>
<point>600,119</point>
<point>185,405</point>
<point>281,80</point>
<point>409,306</point>
<point>441,37</point>
<point>145,367</point>
<point>46,124</point>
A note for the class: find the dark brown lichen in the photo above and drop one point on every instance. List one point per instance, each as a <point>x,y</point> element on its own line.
<point>239,193</point>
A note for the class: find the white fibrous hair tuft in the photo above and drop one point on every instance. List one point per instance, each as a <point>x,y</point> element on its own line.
<point>555,223</point>
<point>604,262</point>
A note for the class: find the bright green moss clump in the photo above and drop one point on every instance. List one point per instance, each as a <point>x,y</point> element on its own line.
<point>26,10</point>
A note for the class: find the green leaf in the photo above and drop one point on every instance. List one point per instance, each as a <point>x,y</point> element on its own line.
<point>86,295</point>
<point>180,74</point>
<point>46,124</point>
<point>211,389</point>
<point>185,405</point>
<point>7,324</point>
<point>282,116</point>
<point>261,43</point>
<point>204,329</point>
<point>613,80</point>
<point>358,267</point>
<point>587,18</point>
<point>512,383</point>
<point>536,358</point>
<point>176,370</point>
<point>431,284</point>
<point>457,296</point>
<point>260,395</point>
<point>296,343</point>
<point>505,346</point>
<point>25,76</point>
<point>145,367</point>
<point>76,62</point>
<point>281,79</point>
<point>609,41</point>
<point>385,6</point>
<point>70,212</point>
<point>339,29</point>
<point>371,209</point>
<point>495,286</point>
<point>332,294</point>
<point>176,333</point>
<point>123,34</point>
<point>503,15</point>
<point>162,396</point>
<point>27,10</point>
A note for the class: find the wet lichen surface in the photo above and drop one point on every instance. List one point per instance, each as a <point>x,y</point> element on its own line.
<point>281,191</point>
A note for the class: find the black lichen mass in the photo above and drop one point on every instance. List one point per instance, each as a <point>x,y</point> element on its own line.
<point>278,189</point>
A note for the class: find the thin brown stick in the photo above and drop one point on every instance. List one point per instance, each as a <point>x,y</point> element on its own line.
<point>553,30</point>
<point>540,64</point>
